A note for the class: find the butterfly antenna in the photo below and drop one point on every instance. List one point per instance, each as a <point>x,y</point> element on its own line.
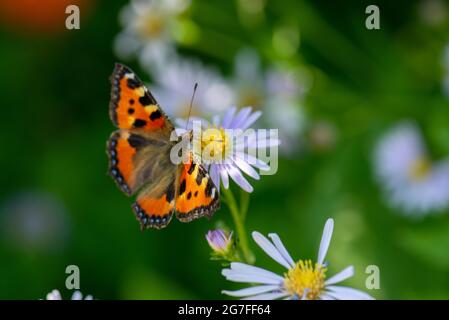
<point>191,104</point>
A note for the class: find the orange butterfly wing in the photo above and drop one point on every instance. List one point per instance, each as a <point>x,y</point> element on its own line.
<point>132,106</point>
<point>197,195</point>
<point>155,204</point>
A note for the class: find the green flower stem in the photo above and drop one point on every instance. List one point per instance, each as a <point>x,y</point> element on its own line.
<point>239,225</point>
<point>244,203</point>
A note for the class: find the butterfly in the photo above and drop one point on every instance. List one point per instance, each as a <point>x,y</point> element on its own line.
<point>139,158</point>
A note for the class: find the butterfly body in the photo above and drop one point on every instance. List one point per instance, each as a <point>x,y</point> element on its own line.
<point>140,162</point>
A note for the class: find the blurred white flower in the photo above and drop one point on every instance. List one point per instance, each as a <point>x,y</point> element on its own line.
<point>148,29</point>
<point>412,182</point>
<point>279,92</point>
<point>34,221</point>
<point>303,279</point>
<point>174,85</point>
<point>77,295</point>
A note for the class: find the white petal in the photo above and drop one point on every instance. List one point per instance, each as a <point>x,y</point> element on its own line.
<point>224,176</point>
<point>215,176</point>
<point>77,295</point>
<point>259,164</point>
<point>238,178</point>
<point>239,267</point>
<point>304,294</point>
<point>250,291</point>
<point>247,278</point>
<point>325,296</point>
<point>270,249</point>
<point>342,275</point>
<point>241,117</point>
<point>228,117</point>
<point>281,248</point>
<point>268,296</point>
<point>251,119</point>
<point>245,167</point>
<point>346,293</point>
<point>325,240</point>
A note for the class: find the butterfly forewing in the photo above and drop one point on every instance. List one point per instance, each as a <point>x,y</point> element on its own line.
<point>132,106</point>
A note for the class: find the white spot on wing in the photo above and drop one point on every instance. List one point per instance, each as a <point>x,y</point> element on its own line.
<point>130,76</point>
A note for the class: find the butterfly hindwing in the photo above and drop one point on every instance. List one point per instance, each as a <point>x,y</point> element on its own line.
<point>132,106</point>
<point>155,204</point>
<point>197,195</point>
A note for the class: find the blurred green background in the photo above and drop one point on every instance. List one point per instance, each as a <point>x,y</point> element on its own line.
<point>59,207</point>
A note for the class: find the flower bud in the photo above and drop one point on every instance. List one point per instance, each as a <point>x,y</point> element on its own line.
<point>222,244</point>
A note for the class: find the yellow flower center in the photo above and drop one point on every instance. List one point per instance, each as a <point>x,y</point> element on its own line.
<point>151,26</point>
<point>306,280</point>
<point>215,145</point>
<point>420,169</point>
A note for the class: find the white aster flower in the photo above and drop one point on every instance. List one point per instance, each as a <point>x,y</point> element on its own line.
<point>231,149</point>
<point>174,86</point>
<point>411,180</point>
<point>279,92</point>
<point>77,295</point>
<point>303,279</point>
<point>35,221</point>
<point>148,28</point>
